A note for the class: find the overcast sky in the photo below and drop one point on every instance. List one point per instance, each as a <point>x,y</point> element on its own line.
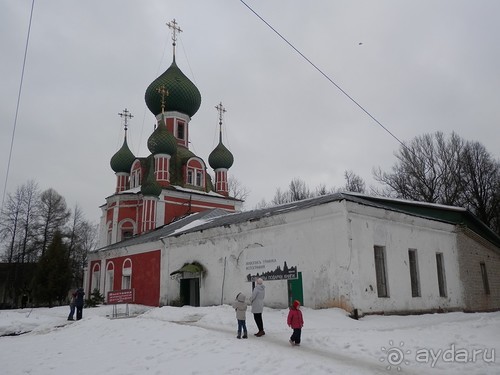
<point>417,66</point>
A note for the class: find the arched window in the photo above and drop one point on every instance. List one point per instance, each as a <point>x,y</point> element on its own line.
<point>110,279</point>
<point>195,172</point>
<point>180,130</point>
<point>127,229</point>
<point>96,277</point>
<point>109,233</point>
<point>127,274</point>
<point>135,175</point>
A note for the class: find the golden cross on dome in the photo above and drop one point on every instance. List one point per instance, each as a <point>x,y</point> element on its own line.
<point>175,29</point>
<point>125,115</point>
<point>161,90</point>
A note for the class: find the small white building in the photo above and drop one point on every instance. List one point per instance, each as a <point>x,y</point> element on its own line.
<point>361,253</point>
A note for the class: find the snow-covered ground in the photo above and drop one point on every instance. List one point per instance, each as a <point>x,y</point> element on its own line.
<point>202,340</point>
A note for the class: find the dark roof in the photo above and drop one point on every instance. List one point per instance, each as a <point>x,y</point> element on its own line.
<point>220,218</point>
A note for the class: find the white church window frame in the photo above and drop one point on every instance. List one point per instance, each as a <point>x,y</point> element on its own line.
<point>121,230</point>
<point>109,233</point>
<point>96,277</point>
<point>127,274</point>
<point>180,130</point>
<point>135,175</point>
<point>109,279</point>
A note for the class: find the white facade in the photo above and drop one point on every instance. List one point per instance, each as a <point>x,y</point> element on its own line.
<point>333,247</point>
<point>428,257</point>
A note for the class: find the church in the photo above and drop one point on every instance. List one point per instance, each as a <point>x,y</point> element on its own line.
<point>171,235</point>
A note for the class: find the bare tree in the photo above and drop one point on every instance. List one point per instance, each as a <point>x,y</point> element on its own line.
<point>449,171</point>
<point>81,238</point>
<point>17,221</point>
<point>261,204</point>
<point>31,205</point>
<point>54,215</point>
<point>298,190</point>
<point>10,223</point>
<point>354,182</point>
<point>280,197</point>
<point>481,182</point>
<point>236,189</point>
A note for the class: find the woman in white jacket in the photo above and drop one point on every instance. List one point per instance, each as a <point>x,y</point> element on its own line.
<point>257,301</point>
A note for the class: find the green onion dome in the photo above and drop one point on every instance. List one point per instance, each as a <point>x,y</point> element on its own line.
<point>183,95</point>
<point>123,159</point>
<point>150,186</point>
<point>161,141</point>
<point>220,157</point>
<point>184,154</point>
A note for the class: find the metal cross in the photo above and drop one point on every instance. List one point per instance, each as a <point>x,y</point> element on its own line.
<point>125,115</point>
<point>175,29</point>
<point>220,108</point>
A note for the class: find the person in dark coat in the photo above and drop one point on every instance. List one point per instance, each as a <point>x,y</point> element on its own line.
<point>79,300</point>
<point>72,304</point>
<point>296,322</point>
<point>257,301</point>
<point>241,309</point>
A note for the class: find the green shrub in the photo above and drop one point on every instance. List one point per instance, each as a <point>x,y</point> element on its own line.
<point>95,299</point>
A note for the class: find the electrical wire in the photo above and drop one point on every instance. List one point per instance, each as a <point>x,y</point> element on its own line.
<point>17,106</point>
<point>324,75</point>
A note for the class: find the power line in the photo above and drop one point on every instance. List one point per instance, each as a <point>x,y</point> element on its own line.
<point>324,74</point>
<point>17,106</point>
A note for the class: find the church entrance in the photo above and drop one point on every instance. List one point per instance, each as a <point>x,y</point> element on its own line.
<point>190,291</point>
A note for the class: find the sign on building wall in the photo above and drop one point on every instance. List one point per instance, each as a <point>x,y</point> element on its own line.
<point>269,264</point>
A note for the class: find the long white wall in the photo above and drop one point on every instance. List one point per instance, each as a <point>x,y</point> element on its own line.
<point>332,245</point>
<point>314,239</point>
<point>398,233</point>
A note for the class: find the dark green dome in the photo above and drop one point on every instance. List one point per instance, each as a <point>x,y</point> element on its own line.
<point>220,157</point>
<point>184,154</point>
<point>123,159</point>
<point>183,96</point>
<point>150,186</point>
<point>162,141</point>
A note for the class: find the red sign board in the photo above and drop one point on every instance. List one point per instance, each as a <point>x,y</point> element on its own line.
<point>121,296</point>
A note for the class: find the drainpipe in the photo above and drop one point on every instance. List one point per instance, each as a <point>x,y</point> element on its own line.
<point>164,251</point>
<point>223,279</point>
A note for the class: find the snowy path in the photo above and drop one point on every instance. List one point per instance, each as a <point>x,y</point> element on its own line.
<point>202,340</point>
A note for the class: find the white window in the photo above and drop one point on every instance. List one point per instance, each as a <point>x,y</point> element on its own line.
<point>96,277</point>
<point>127,229</point>
<point>127,274</point>
<point>109,234</point>
<point>181,130</point>
<point>110,278</point>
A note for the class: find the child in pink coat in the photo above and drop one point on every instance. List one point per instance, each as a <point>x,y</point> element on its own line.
<point>296,322</point>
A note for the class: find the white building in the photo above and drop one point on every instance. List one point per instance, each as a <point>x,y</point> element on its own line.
<point>364,254</point>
